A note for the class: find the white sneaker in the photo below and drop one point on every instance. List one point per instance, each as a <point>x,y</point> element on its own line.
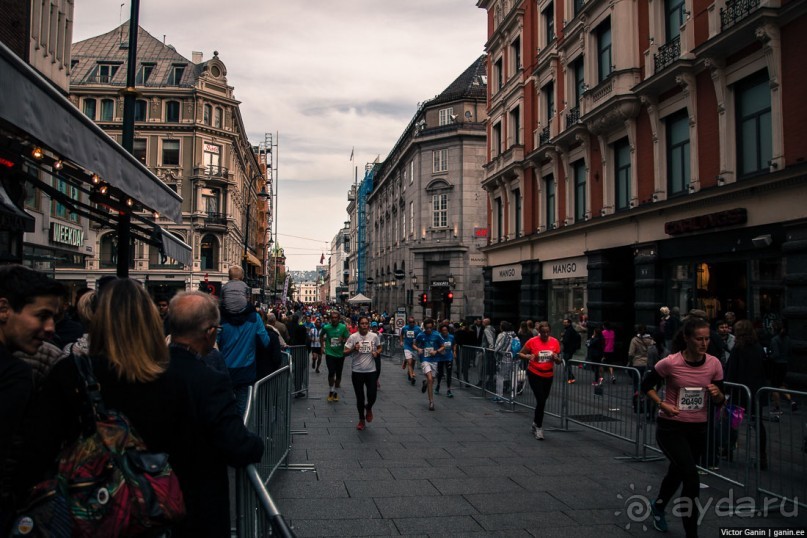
<point>539,434</point>
<point>534,428</point>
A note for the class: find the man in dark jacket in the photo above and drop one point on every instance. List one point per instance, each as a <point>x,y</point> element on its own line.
<point>219,435</point>
<point>28,303</point>
<point>571,343</point>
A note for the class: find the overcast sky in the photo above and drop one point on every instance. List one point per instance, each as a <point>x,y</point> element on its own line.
<point>323,76</point>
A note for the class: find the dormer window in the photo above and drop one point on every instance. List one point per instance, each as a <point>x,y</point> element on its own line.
<point>144,73</point>
<point>175,75</point>
<point>105,72</point>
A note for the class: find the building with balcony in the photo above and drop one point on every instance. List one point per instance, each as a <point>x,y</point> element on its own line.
<point>189,132</point>
<point>426,216</point>
<point>646,154</point>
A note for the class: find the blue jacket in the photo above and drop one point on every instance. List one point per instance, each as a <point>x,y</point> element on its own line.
<point>237,341</point>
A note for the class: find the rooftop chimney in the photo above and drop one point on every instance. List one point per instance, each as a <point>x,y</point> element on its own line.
<point>197,57</point>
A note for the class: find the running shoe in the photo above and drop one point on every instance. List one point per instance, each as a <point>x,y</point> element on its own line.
<point>369,415</point>
<point>613,379</point>
<point>317,370</point>
<point>360,425</point>
<point>533,428</point>
<point>431,406</point>
<point>449,394</point>
<point>424,386</point>
<point>335,397</point>
<point>330,396</point>
<point>437,389</point>
<point>539,434</point>
<point>659,519</point>
<point>412,379</point>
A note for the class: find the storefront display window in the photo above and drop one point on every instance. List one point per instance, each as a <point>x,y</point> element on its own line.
<point>567,299</point>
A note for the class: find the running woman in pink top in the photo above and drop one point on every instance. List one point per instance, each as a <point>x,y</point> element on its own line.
<point>692,378</point>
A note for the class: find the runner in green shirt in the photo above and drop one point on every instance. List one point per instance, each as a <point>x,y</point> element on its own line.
<point>333,337</point>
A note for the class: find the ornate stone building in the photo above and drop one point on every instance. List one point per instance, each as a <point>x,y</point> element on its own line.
<point>189,132</point>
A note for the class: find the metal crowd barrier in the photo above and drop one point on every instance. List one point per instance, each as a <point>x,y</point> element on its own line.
<point>474,367</point>
<point>390,345</point>
<point>300,366</point>
<point>784,443</point>
<point>268,415</point>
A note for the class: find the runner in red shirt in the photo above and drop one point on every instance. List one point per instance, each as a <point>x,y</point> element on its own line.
<point>542,352</point>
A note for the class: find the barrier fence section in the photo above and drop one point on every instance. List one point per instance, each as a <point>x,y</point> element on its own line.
<point>268,415</point>
<point>783,471</point>
<point>390,344</point>
<point>301,364</point>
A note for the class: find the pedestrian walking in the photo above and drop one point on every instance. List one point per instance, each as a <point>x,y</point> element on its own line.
<point>363,347</point>
<point>542,352</point>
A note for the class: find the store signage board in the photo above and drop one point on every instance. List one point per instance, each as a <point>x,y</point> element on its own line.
<point>721,219</point>
<point>565,268</point>
<point>506,273</point>
<point>66,235</point>
<point>440,284</point>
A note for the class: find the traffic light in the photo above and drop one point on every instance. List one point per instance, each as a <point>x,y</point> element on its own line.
<point>424,298</point>
<point>449,297</point>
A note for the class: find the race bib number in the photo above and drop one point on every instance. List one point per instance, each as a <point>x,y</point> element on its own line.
<point>544,356</point>
<point>410,334</point>
<point>428,351</point>
<point>365,347</point>
<point>335,342</point>
<point>691,398</point>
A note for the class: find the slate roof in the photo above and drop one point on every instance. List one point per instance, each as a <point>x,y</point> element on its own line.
<point>113,47</point>
<point>471,84</point>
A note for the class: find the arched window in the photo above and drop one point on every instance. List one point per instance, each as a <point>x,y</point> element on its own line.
<point>209,253</point>
<point>107,109</point>
<point>140,110</point>
<point>172,111</point>
<point>109,251</point>
<point>208,113</point>
<point>89,108</point>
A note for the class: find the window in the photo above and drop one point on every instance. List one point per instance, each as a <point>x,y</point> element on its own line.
<point>548,15</point>
<point>549,184</point>
<point>172,111</point>
<point>579,190</point>
<point>411,172</point>
<point>622,173</point>
<point>499,219</point>
<point>515,54</point>
<point>579,80</point>
<point>411,218</point>
<point>143,74</point>
<point>89,108</point>
<point>107,109</point>
<point>175,75</point>
<point>60,210</point>
<point>104,73</point>
<point>440,210</point>
<point>403,225</point>
<point>496,140</point>
<point>445,116</point>
<point>604,60</point>
<point>210,201</point>
<point>209,253</point>
<point>217,115</point>
<point>515,126</point>
<point>678,177</point>
<point>140,110</point>
<point>207,118</point>
<point>517,207</point>
<point>211,157</point>
<point>139,149</point>
<point>440,157</point>
<point>673,18</point>
<point>549,100</point>
<point>754,131</point>
<point>498,74</point>
<point>577,6</point>
<point>170,153</point>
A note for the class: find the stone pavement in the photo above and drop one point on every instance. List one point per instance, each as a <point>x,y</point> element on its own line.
<point>470,468</point>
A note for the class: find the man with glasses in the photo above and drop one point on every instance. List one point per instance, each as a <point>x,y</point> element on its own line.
<point>333,337</point>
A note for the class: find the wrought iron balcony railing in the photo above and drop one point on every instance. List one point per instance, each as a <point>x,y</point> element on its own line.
<point>667,54</point>
<point>543,138</point>
<point>735,11</point>
<point>573,116</point>
<point>219,219</point>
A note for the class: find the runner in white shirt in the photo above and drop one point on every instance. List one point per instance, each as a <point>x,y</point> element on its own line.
<point>362,348</point>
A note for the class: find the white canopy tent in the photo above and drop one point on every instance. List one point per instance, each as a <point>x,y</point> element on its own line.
<point>359,299</point>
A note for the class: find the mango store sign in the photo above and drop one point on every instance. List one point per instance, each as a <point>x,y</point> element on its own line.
<point>566,268</point>
<point>506,273</point>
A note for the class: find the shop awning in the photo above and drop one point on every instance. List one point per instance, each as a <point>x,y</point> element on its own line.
<point>173,247</point>
<point>12,218</point>
<point>253,260</point>
<point>30,104</point>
